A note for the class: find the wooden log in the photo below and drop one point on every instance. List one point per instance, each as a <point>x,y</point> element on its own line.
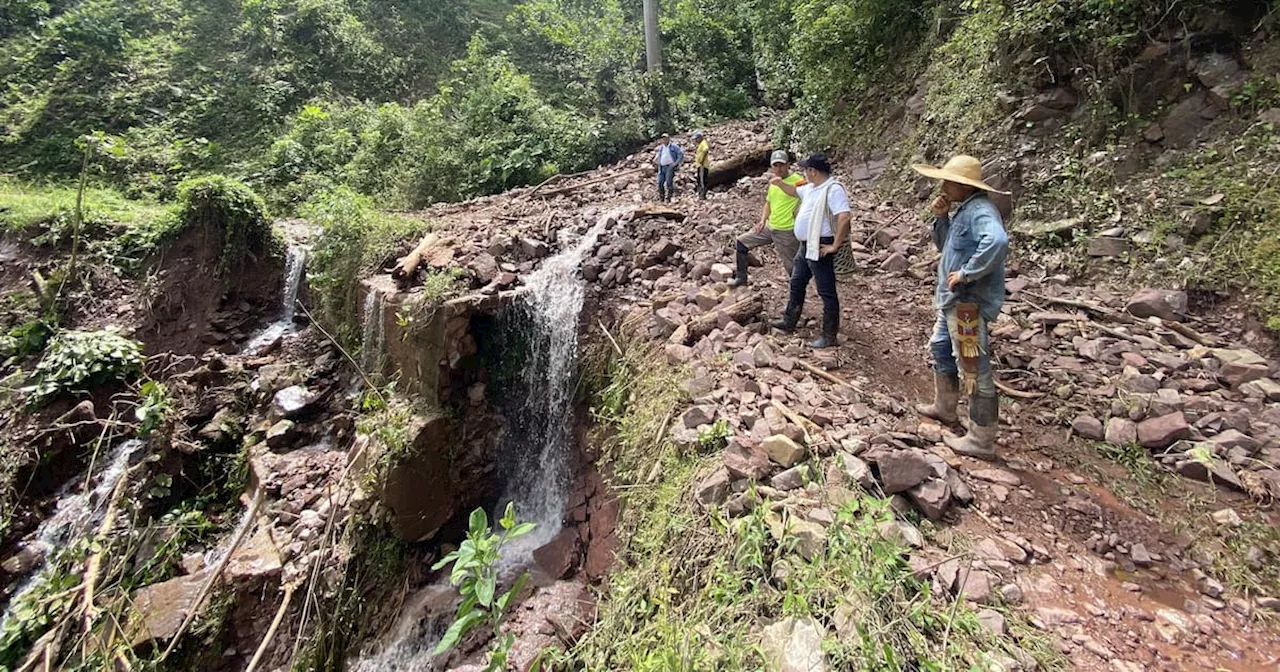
<point>741,312</point>
<point>432,249</point>
<point>568,189</point>
<point>754,160</point>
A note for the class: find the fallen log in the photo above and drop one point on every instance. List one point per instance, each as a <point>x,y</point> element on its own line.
<point>752,161</point>
<point>741,312</point>
<point>431,249</point>
<point>654,210</point>
<point>568,189</point>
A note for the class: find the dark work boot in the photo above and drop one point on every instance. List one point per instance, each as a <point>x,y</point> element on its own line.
<point>825,341</point>
<point>830,332</point>
<point>788,322</point>
<point>740,274</point>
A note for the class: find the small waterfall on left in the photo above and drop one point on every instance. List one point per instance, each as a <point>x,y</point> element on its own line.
<point>294,267</point>
<point>76,515</point>
<point>373,331</point>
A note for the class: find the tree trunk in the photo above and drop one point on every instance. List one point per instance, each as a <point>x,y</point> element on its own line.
<point>741,312</point>
<point>752,162</point>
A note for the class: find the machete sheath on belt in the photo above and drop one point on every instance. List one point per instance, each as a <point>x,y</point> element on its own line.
<point>967,332</point>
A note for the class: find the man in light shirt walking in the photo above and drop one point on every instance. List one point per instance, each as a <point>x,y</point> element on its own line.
<point>668,159</point>
<point>822,226</point>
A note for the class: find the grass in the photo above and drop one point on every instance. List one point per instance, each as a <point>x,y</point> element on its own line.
<point>692,588</point>
<point>24,206</point>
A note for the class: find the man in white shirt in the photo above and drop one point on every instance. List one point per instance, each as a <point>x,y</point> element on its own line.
<point>668,158</point>
<point>822,226</point>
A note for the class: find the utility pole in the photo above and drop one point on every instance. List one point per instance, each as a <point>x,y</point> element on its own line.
<point>652,42</point>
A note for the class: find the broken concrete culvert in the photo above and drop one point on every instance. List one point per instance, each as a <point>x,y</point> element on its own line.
<point>805,473</point>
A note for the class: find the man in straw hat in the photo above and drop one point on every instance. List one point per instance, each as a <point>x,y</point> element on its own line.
<point>777,220</point>
<point>969,294</point>
<point>822,227</point>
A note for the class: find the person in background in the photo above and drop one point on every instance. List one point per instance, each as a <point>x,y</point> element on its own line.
<point>702,159</point>
<point>822,226</point>
<point>668,158</point>
<point>777,221</point>
<point>968,297</point>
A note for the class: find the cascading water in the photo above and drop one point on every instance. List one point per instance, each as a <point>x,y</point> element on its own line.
<point>77,515</point>
<point>538,439</point>
<point>295,264</point>
<point>373,331</point>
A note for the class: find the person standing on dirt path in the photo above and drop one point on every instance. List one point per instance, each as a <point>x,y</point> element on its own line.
<point>702,159</point>
<point>968,297</point>
<point>777,221</point>
<point>822,226</point>
<point>668,158</point>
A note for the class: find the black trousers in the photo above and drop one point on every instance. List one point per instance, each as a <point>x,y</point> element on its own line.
<point>823,273</point>
<point>704,174</point>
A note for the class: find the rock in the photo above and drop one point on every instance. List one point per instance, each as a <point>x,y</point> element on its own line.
<point>855,470</point>
<point>1121,432</point>
<point>811,538</point>
<point>1227,518</point>
<point>1164,431</point>
<point>21,562</point>
<point>714,489</point>
<point>1262,388</point>
<point>698,416</point>
<point>1140,555</point>
<point>794,645</point>
<point>1108,247</point>
<point>1215,69</point>
<point>1201,465</point>
<point>556,558</point>
<point>901,532</point>
<point>1087,427</point>
<point>975,585</point>
<point>762,356</point>
<point>901,470</point>
<point>1161,303</point>
<point>159,609</point>
<point>998,476</point>
<point>783,450</point>
<point>534,248</point>
<point>292,402</point>
<point>1011,593</point>
<point>1183,123</point>
<point>1132,380</point>
<point>932,497</point>
<point>416,511</point>
<point>746,460</point>
<point>281,434</point>
<point>721,273</point>
<point>1233,438</point>
<point>895,263</point>
<point>1237,374</point>
<point>791,479</point>
<point>993,622</point>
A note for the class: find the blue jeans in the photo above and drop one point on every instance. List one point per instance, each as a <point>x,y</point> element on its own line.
<point>945,350</point>
<point>666,182</point>
<point>823,273</point>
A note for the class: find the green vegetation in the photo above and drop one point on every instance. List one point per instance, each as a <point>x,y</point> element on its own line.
<point>81,361</point>
<point>692,587</point>
<point>222,204</point>
<point>355,240</point>
<point>475,574</point>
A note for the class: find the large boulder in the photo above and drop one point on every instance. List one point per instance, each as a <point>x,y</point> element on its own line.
<point>901,470</point>
<point>416,486</point>
<point>1163,431</point>
<point>783,450</point>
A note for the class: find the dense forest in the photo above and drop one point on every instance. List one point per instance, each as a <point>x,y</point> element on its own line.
<point>414,101</point>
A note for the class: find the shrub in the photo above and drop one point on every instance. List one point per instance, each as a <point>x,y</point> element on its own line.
<point>224,204</point>
<point>78,361</point>
<point>355,240</point>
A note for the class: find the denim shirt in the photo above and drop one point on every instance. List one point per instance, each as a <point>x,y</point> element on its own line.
<point>972,241</point>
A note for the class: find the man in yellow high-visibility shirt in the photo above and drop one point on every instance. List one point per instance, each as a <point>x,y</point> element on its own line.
<point>777,221</point>
<point>702,161</point>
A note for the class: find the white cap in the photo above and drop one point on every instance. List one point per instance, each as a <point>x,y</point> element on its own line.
<point>780,156</point>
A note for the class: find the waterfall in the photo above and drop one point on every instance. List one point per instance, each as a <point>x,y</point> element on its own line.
<point>77,515</point>
<point>295,264</point>
<point>538,439</point>
<point>373,331</point>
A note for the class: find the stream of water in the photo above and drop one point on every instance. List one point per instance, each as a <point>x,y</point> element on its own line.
<point>295,264</point>
<point>373,331</point>
<point>77,515</point>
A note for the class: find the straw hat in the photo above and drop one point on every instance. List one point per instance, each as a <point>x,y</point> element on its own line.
<point>960,169</point>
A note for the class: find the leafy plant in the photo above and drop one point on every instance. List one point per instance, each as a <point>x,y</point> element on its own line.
<point>229,206</point>
<point>25,339</point>
<point>153,410</point>
<point>475,574</point>
<point>78,361</point>
<point>715,436</point>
